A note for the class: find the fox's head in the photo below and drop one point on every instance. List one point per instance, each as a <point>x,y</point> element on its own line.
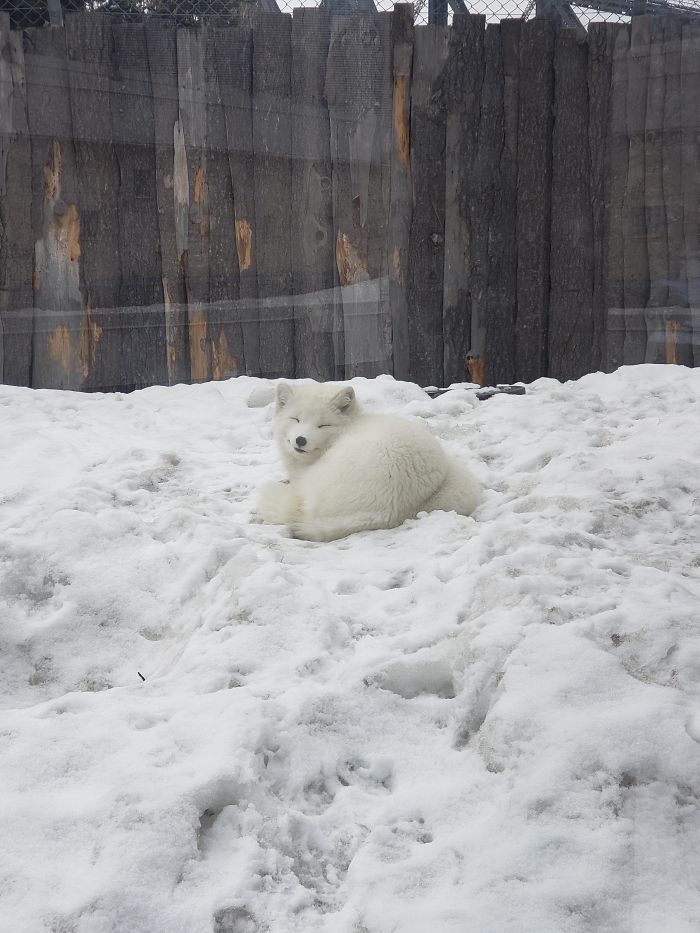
<point>309,419</point>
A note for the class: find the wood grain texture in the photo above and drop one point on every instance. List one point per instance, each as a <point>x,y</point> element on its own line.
<point>143,351</point>
<point>427,245</point>
<point>503,243</point>
<point>272,148</point>
<point>16,241</point>
<point>312,240</point>
<point>234,62</point>
<point>690,177</point>
<point>462,91</point>
<point>571,260</point>
<point>534,197</point>
<point>161,42</point>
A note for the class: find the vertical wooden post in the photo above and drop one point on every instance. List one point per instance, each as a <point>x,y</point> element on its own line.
<point>534,197</point>
<point>571,265</point>
<point>312,238</point>
<point>690,94</point>
<point>401,207</point>
<point>464,76</point>
<point>634,227</point>
<point>503,244</point>
<point>16,241</point>
<point>427,245</point>
<point>272,148</point>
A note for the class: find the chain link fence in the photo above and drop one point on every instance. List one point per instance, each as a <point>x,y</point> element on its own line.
<point>28,13</point>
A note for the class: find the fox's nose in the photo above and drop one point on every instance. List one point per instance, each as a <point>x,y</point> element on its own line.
<point>300,442</point>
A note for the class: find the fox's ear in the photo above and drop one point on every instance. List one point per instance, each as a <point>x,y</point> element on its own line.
<point>284,393</point>
<point>344,401</point>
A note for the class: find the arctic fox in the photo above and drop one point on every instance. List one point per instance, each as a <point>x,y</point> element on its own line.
<point>349,471</point>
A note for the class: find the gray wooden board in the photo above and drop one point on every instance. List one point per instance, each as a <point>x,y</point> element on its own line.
<point>312,241</point>
<point>634,231</point>
<point>484,185</point>
<point>534,196</point>
<point>503,245</point>
<point>677,317</point>
<point>234,62</point>
<point>144,359</point>
<point>426,256</point>
<point>191,194</point>
<point>59,319</point>
<point>16,240</point>
<point>601,44</point>
<point>272,148</point>
<point>618,162</point>
<point>161,40</point>
<point>401,206</point>
<point>571,262</point>
<point>690,117</point>
<point>463,86</point>
<point>654,199</point>
<point>89,50</point>
<point>224,330</point>
<point>358,91</point>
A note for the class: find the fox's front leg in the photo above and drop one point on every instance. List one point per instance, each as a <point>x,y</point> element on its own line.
<point>279,503</point>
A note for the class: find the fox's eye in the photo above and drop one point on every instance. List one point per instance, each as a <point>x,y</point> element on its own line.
<point>294,419</point>
<point>324,425</point>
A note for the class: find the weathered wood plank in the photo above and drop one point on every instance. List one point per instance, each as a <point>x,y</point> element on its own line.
<point>677,318</point>
<point>534,197</point>
<point>601,43</point>
<point>16,241</point>
<point>312,241</point>
<point>191,183</point>
<point>634,230</point>
<point>690,177</point>
<point>143,353</point>
<point>654,201</point>
<point>463,85</point>
<point>224,329</point>
<point>401,206</point>
<point>614,257</point>
<point>234,63</point>
<point>484,183</point>
<point>89,48</point>
<point>64,338</point>
<point>272,147</point>
<point>503,245</point>
<point>426,260</point>
<point>571,262</point>
<point>360,119</point>
<point>161,40</point>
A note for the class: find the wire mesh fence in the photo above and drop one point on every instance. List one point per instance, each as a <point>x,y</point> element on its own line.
<point>28,13</point>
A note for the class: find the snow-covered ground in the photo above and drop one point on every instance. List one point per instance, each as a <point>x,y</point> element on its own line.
<point>483,726</point>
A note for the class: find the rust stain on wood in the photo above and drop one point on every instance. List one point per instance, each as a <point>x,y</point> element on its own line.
<point>401,125</point>
<point>244,244</point>
<point>60,348</point>
<point>199,357</point>
<point>70,226</point>
<point>223,364</point>
<point>350,264</point>
<point>477,369</point>
<point>671,341</point>
<point>396,265</point>
<point>90,334</point>
<point>52,174</point>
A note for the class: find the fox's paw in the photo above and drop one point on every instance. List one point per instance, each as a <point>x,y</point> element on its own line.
<point>278,503</point>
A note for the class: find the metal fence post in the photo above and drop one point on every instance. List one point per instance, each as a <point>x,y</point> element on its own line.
<point>437,12</point>
<point>55,12</point>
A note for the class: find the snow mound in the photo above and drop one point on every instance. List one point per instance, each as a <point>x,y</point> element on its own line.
<point>487,723</point>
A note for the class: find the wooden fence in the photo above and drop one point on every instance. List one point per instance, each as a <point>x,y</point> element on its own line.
<point>328,196</point>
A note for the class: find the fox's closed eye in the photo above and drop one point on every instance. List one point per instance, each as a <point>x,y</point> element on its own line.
<point>294,419</point>
<point>324,425</point>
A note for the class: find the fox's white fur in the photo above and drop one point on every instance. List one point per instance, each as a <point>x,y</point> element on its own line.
<point>349,471</point>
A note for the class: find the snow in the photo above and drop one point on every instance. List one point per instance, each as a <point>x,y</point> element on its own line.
<point>485,724</point>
